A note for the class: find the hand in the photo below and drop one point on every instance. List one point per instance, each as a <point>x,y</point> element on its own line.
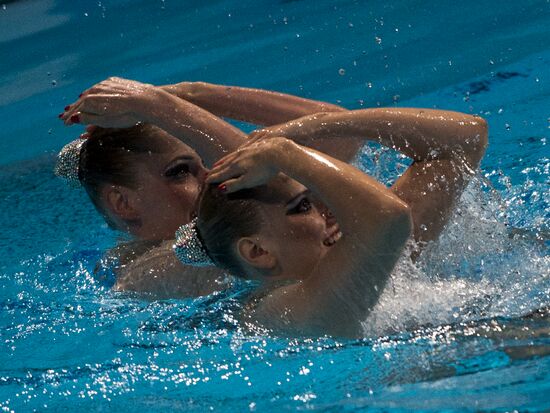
<point>113,103</point>
<point>251,165</point>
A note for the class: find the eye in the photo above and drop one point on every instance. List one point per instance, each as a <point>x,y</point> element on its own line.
<point>301,208</point>
<point>177,170</point>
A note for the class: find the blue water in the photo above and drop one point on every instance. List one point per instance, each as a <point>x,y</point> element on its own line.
<point>68,343</point>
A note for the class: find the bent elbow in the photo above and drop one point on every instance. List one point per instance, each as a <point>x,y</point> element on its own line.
<point>482,133</point>
<point>402,223</point>
<point>478,142</point>
<point>405,222</point>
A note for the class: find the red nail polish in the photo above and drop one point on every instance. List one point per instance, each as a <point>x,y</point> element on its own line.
<point>79,96</point>
<point>60,116</point>
<point>222,187</point>
<point>75,118</point>
<point>67,108</point>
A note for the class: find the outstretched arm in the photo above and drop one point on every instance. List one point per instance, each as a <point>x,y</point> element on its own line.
<point>257,106</point>
<point>445,147</point>
<point>120,103</point>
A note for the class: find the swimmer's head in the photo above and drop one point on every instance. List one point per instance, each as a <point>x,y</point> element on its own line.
<point>141,179</point>
<point>271,232</point>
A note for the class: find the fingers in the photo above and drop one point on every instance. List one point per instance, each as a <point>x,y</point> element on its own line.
<point>86,118</point>
<point>224,172</point>
<point>258,135</point>
<point>232,185</point>
<point>226,159</point>
<point>255,135</point>
<point>89,104</point>
<point>112,87</point>
<point>252,139</point>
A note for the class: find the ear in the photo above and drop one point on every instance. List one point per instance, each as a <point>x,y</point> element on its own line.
<point>251,250</point>
<point>120,201</point>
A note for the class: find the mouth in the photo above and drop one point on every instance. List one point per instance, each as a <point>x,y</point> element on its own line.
<point>334,236</point>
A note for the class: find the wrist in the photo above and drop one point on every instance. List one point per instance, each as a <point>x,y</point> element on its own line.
<point>184,90</point>
<point>158,103</point>
<point>280,157</point>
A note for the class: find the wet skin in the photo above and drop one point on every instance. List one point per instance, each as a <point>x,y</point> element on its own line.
<point>296,228</point>
<point>169,182</point>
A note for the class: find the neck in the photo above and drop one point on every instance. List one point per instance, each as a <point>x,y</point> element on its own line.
<point>268,275</point>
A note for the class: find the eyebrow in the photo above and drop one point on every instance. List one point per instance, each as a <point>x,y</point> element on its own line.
<point>297,197</point>
<point>180,158</point>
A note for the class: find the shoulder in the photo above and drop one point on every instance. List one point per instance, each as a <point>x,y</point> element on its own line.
<point>158,271</point>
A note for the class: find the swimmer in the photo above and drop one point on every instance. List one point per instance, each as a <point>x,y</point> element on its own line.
<point>120,102</point>
<point>318,276</point>
<point>145,181</point>
<point>322,274</point>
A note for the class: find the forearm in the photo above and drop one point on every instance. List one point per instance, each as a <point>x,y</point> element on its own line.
<point>345,190</point>
<point>206,133</point>
<point>421,134</point>
<point>257,106</point>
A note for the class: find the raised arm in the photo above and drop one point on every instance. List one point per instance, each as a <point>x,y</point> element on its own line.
<point>264,107</point>
<point>120,103</point>
<point>446,147</point>
<point>257,106</point>
<point>375,224</point>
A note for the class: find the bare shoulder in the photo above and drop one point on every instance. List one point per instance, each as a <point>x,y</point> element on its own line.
<point>335,299</point>
<point>158,271</point>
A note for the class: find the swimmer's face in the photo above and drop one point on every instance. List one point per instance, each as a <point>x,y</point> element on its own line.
<point>299,231</point>
<point>168,186</point>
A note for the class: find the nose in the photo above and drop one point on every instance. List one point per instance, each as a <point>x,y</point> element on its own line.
<point>330,219</point>
<point>325,213</point>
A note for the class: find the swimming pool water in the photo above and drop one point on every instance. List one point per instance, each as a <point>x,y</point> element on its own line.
<point>68,343</point>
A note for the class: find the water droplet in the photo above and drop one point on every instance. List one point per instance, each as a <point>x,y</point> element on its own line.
<point>341,71</point>
<point>378,40</point>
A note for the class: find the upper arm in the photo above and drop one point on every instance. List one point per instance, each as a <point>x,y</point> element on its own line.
<point>431,189</point>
